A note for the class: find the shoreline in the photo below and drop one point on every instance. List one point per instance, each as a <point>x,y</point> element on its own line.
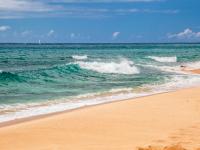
<point>37,117</point>
<point>18,116</point>
<point>127,124</point>
<point>45,115</point>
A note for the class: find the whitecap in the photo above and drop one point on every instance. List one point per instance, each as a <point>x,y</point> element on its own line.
<point>80,57</point>
<point>124,66</point>
<point>163,59</point>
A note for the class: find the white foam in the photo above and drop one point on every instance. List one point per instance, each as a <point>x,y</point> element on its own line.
<point>193,65</point>
<point>121,90</point>
<point>124,66</point>
<point>66,105</point>
<point>174,69</point>
<point>177,82</point>
<point>164,59</point>
<point>80,57</point>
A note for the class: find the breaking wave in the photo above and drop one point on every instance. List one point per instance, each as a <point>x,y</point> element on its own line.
<point>122,67</point>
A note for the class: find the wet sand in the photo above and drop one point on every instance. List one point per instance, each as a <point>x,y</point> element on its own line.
<point>190,70</point>
<point>197,71</point>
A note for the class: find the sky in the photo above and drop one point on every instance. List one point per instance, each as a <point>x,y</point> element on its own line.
<point>99,21</point>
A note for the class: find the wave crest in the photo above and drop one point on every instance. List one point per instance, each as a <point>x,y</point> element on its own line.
<point>164,59</point>
<point>80,57</point>
<point>122,67</point>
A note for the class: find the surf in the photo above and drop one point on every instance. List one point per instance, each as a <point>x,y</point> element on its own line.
<point>124,66</point>
<point>163,59</point>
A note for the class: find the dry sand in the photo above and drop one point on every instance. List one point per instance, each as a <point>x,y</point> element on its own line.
<point>158,120</point>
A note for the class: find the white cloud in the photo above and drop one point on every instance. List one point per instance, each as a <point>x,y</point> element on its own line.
<point>50,33</point>
<point>186,34</point>
<point>115,34</point>
<point>198,34</point>
<point>45,6</point>
<point>49,5</point>
<point>4,28</point>
<point>24,5</point>
<point>102,1</point>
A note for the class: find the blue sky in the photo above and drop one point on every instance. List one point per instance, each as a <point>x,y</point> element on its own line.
<point>69,21</point>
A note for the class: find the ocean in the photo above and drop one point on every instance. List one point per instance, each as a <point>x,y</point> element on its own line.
<point>38,79</point>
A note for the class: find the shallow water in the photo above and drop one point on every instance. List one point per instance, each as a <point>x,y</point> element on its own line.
<point>66,76</point>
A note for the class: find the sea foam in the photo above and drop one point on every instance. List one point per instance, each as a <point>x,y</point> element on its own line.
<point>164,59</point>
<point>193,65</point>
<point>124,66</point>
<point>177,82</point>
<point>79,57</point>
<point>65,105</point>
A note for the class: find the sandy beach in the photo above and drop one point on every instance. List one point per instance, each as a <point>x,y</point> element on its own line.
<point>99,75</point>
<point>158,120</point>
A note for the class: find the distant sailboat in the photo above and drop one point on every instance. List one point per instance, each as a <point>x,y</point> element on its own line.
<point>39,42</point>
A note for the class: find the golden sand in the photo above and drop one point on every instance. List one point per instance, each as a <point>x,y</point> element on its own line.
<point>197,71</point>
<point>172,147</point>
<point>158,120</point>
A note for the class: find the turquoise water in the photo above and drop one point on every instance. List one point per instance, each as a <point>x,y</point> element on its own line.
<point>55,74</point>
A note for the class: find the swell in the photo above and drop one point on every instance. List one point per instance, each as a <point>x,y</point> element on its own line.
<point>72,70</point>
<point>10,77</point>
<point>50,74</point>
